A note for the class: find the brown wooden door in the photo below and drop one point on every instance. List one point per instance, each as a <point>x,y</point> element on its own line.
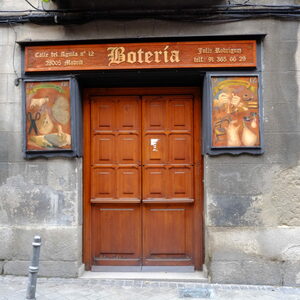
<point>142,201</point>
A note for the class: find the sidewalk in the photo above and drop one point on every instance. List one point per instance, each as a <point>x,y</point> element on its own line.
<point>14,288</point>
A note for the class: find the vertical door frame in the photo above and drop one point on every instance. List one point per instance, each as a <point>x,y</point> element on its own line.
<point>198,232</point>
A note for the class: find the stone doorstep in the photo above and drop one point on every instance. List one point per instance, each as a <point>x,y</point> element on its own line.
<point>195,277</point>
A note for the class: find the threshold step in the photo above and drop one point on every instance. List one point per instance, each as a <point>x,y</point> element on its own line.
<point>197,276</point>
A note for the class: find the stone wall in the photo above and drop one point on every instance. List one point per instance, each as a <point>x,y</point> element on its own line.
<point>252,203</point>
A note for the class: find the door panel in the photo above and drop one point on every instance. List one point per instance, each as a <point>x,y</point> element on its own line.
<point>128,180</point>
<point>181,182</point>
<point>116,235</point>
<point>102,183</point>
<point>155,147</point>
<point>103,114</point>
<point>155,183</point>
<point>104,146</point>
<point>167,235</point>
<point>180,114</point>
<point>128,149</point>
<point>154,113</point>
<point>180,149</point>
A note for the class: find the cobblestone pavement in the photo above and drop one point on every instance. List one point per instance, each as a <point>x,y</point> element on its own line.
<point>14,288</point>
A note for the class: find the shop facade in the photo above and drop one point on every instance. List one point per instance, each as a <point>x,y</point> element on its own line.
<point>148,144</point>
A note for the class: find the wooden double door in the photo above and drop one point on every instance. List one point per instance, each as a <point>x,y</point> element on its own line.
<point>142,178</point>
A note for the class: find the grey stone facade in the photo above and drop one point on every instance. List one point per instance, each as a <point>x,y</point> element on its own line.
<point>252,203</point>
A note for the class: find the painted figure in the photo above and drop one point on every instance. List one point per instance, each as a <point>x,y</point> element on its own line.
<point>235,112</point>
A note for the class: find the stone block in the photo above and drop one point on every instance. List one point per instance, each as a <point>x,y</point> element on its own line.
<point>3,172</point>
<point>3,88</point>
<point>9,59</point>
<point>15,153</point>
<point>26,202</point>
<point>250,244</point>
<point>62,174</point>
<point>33,32</point>
<point>46,268</point>
<point>4,146</point>
<point>234,210</point>
<point>262,272</point>
<point>235,179</point>
<point>277,145</point>
<point>280,31</point>
<point>281,117</point>
<point>3,35</point>
<point>14,93</point>
<point>11,117</point>
<point>291,273</point>
<point>6,236</point>
<point>283,59</point>
<point>283,198</point>
<point>59,243</point>
<point>280,87</point>
<point>257,272</point>
<point>226,272</point>
<point>1,267</point>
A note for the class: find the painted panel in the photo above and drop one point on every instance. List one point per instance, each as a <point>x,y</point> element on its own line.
<point>235,112</point>
<point>48,115</point>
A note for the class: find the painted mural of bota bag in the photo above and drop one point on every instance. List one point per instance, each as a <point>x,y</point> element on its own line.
<point>48,115</point>
<point>235,112</point>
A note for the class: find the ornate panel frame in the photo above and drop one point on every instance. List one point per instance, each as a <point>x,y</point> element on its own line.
<point>51,111</point>
<point>233,113</point>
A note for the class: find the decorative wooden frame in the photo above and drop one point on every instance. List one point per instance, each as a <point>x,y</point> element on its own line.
<point>233,113</point>
<point>50,108</point>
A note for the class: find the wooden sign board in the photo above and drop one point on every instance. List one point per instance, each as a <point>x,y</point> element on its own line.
<point>201,54</point>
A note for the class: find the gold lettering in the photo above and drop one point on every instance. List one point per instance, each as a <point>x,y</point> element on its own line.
<point>174,56</point>
<point>69,62</point>
<point>116,55</point>
<point>68,53</point>
<point>228,50</point>
<point>156,56</point>
<point>148,56</point>
<point>204,50</point>
<point>198,59</point>
<point>140,58</point>
<point>41,54</point>
<point>131,57</point>
<point>166,52</point>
